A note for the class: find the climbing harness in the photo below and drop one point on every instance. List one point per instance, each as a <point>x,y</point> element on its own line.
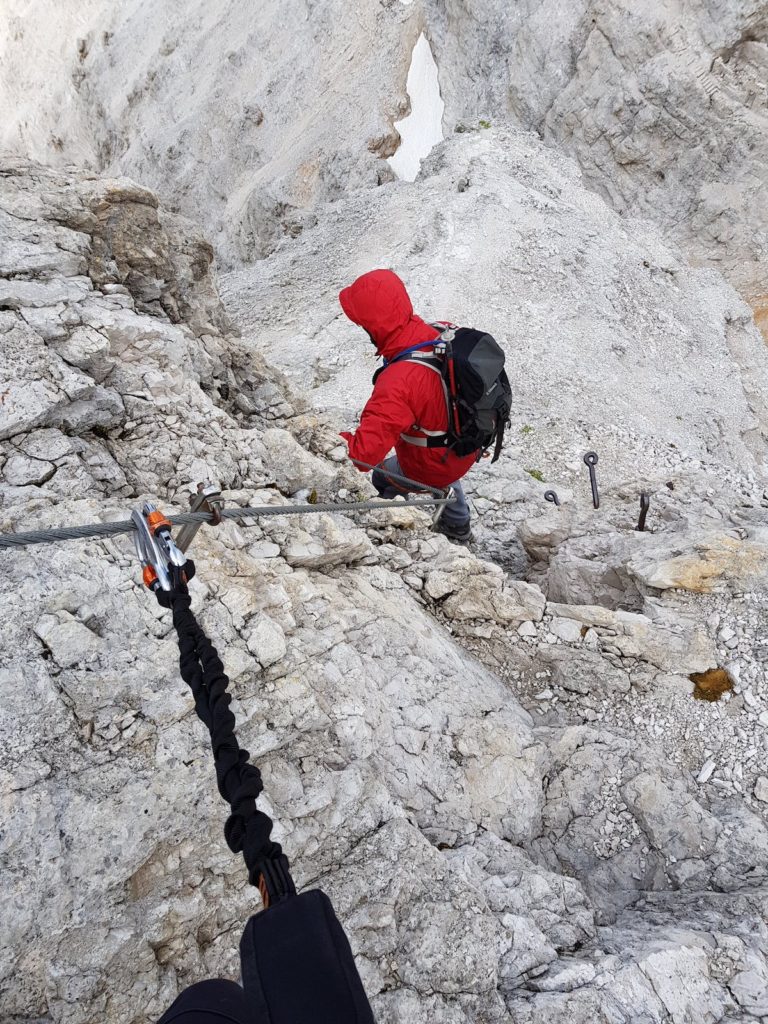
<point>296,962</point>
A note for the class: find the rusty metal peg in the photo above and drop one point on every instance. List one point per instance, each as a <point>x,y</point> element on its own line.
<point>645,504</point>
<point>590,461</point>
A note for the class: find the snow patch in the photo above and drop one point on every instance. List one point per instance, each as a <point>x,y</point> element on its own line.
<point>423,127</point>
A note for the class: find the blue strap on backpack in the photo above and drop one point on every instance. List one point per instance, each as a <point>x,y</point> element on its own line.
<point>407,352</point>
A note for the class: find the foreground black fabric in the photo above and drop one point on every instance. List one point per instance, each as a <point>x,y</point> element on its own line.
<point>298,967</point>
<point>210,1002</point>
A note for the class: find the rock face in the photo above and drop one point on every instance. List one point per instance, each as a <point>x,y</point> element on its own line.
<point>665,116</point>
<point>241,149</point>
<point>491,758</point>
<point>489,864</point>
<point>662,105</point>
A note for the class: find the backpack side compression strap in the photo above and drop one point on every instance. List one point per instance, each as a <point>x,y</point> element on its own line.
<point>298,968</point>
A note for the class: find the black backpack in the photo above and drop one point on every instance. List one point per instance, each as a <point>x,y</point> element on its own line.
<point>477,392</point>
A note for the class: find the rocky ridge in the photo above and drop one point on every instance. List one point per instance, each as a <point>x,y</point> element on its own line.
<point>245,149</point>
<point>662,105</point>
<point>576,869</point>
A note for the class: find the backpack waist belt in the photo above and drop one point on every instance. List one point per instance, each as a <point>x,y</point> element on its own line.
<point>432,438</point>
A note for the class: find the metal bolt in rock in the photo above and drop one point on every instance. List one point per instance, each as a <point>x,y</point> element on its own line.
<point>552,496</point>
<point>645,504</point>
<point>590,460</point>
<point>207,499</point>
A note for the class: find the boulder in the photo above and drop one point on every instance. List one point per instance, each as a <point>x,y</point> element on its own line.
<point>700,561</point>
<point>291,466</point>
<point>507,602</point>
<point>266,640</point>
<point>88,350</point>
<point>20,471</point>
<point>676,825</point>
<point>322,542</point>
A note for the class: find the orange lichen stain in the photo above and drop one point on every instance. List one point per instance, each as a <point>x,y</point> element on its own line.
<point>728,558</point>
<point>695,574</point>
<point>759,304</point>
<point>306,180</point>
<point>711,685</point>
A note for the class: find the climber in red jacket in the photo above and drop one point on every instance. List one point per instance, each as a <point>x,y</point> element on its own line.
<point>408,401</point>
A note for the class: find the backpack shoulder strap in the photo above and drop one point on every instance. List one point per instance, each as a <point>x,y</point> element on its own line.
<point>447,330</point>
<point>408,352</point>
<point>430,359</point>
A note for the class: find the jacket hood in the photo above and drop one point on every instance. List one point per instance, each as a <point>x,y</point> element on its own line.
<point>379,303</point>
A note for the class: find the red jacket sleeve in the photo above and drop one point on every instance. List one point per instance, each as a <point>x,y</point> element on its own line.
<point>386,415</point>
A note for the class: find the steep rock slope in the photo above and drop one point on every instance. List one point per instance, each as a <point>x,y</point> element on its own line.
<point>662,104</point>
<point>487,869</point>
<point>244,117</point>
<point>240,115</point>
<point>612,339</point>
<point>115,863</point>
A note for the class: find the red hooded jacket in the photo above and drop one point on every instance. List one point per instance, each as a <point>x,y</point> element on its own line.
<point>405,394</point>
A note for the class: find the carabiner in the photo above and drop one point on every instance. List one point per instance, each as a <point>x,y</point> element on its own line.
<point>156,549</point>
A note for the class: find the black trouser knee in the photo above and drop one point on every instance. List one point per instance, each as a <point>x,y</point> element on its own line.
<point>210,1002</point>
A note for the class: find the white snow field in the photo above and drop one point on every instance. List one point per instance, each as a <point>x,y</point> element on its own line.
<point>422,129</point>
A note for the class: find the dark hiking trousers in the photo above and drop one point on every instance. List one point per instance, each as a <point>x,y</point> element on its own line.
<point>456,515</point>
<point>210,1002</point>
